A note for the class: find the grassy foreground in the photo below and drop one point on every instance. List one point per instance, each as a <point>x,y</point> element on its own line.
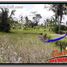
<point>23,47</point>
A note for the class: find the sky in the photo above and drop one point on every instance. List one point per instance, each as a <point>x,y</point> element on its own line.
<point>29,10</point>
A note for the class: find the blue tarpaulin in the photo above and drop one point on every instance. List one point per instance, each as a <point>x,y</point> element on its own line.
<point>56,39</point>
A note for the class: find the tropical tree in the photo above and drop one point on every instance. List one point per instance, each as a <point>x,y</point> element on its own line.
<point>27,21</point>
<point>11,19</point>
<point>5,25</point>
<point>21,18</point>
<point>36,19</point>
<point>59,11</point>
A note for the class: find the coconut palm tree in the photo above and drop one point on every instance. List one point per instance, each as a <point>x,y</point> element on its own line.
<point>59,10</point>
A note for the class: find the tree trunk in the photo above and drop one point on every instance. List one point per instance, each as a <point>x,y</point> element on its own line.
<point>60,19</point>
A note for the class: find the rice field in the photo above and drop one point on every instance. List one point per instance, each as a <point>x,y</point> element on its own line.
<point>23,47</point>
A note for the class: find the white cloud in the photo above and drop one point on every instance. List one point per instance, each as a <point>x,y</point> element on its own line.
<point>27,9</point>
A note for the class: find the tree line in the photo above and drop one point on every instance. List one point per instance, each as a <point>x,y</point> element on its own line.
<point>6,22</point>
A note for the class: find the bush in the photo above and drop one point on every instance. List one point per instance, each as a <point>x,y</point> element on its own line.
<point>63,43</point>
<point>5,27</point>
<point>62,28</point>
<point>55,29</point>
